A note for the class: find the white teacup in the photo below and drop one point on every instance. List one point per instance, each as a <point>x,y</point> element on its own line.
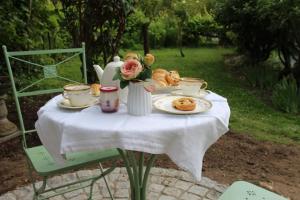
<point>192,86</point>
<point>78,94</point>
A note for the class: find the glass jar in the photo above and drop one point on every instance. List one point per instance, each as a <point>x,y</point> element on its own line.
<point>109,99</point>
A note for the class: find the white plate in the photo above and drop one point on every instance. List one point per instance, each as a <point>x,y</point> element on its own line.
<point>165,104</point>
<point>200,94</point>
<point>62,105</point>
<point>167,89</point>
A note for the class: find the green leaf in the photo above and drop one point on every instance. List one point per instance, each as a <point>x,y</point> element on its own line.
<point>124,84</point>
<point>145,74</point>
<point>117,75</point>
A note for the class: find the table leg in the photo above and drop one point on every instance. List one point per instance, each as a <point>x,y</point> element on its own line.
<point>138,176</point>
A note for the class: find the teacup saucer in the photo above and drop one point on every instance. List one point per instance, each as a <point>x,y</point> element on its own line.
<point>201,93</point>
<point>62,104</point>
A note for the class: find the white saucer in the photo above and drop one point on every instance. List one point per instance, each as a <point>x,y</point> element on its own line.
<point>200,94</point>
<point>165,104</point>
<point>62,105</point>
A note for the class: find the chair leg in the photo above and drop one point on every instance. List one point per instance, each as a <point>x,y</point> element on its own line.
<point>36,191</point>
<point>102,175</point>
<point>107,186</point>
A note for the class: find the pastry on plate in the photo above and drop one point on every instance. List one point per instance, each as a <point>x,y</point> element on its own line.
<point>184,104</point>
<point>95,89</point>
<point>173,78</point>
<point>165,78</point>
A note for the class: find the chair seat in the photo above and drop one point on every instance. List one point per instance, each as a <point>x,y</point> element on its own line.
<point>241,190</point>
<point>44,164</point>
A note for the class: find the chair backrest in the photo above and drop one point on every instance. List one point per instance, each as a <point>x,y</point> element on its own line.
<point>48,75</point>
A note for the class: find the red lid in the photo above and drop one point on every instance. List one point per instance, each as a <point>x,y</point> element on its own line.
<point>108,88</point>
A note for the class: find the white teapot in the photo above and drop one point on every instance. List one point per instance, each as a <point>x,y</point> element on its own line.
<point>106,76</point>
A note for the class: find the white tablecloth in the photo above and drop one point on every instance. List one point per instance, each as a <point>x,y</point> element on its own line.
<point>184,138</point>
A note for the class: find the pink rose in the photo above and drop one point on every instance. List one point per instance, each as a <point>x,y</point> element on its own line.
<point>131,69</point>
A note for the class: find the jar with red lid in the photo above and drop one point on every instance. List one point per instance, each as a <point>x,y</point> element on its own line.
<point>109,99</point>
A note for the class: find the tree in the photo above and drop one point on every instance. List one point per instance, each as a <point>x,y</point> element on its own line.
<point>263,26</point>
<point>100,24</point>
<point>151,9</point>
<point>23,26</point>
<point>242,18</point>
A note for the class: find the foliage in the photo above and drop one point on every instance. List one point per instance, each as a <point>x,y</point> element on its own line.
<point>100,24</point>
<point>26,25</point>
<point>263,75</point>
<point>157,32</point>
<point>262,26</point>
<point>243,18</point>
<point>152,9</point>
<point>200,25</point>
<point>286,95</point>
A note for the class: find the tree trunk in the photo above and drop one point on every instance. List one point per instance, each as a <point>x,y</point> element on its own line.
<point>145,28</point>
<point>49,40</point>
<point>179,39</point>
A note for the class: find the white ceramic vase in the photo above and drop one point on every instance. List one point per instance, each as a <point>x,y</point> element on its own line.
<point>139,101</point>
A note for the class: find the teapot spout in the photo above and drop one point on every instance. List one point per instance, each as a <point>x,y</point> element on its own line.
<point>99,71</point>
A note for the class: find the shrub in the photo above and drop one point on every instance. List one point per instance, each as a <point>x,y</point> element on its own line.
<point>286,95</point>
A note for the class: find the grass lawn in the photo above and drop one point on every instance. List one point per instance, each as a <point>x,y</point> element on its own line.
<point>249,114</point>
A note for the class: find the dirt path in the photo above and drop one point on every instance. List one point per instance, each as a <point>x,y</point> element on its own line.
<point>233,157</point>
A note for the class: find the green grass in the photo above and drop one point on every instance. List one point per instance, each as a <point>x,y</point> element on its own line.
<point>249,114</point>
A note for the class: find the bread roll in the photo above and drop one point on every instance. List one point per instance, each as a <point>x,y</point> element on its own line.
<point>173,78</point>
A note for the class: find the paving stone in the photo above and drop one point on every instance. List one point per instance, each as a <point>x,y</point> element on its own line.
<point>73,194</point>
<point>156,187</point>
<point>213,195</point>
<point>57,198</point>
<point>123,193</point>
<point>207,182</point>
<point>95,189</point>
<point>23,193</point>
<point>68,178</point>
<point>123,177</point>
<point>122,185</point>
<point>113,177</point>
<point>190,196</point>
<point>84,174</point>
<point>172,191</point>
<point>164,197</point>
<point>185,176</point>
<point>164,184</point>
<point>157,179</point>
<point>123,170</point>
<point>184,185</point>
<point>80,197</point>
<point>156,171</point>
<point>153,195</point>
<point>198,190</point>
<point>8,196</point>
<point>54,181</point>
<point>97,196</point>
<point>118,170</point>
<point>169,181</point>
<point>220,188</point>
<point>172,172</point>
<point>105,192</point>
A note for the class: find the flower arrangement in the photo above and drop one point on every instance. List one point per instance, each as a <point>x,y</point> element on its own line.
<point>134,69</point>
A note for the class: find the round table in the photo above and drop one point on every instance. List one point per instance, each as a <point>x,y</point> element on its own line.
<point>184,138</point>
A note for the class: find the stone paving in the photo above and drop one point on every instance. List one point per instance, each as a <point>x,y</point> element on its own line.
<point>163,184</point>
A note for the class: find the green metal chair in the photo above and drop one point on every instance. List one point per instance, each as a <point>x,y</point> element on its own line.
<point>241,190</point>
<point>39,160</point>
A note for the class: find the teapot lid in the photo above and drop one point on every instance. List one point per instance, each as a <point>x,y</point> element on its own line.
<point>116,58</point>
<point>116,62</point>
